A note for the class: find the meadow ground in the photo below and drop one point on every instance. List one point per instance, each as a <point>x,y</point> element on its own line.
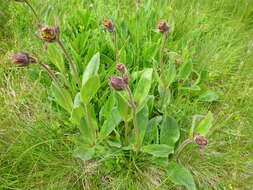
<point>35,145</point>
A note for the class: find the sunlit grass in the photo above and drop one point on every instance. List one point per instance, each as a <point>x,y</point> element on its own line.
<point>217,35</point>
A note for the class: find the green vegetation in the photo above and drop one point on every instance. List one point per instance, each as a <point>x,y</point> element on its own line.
<point>209,39</point>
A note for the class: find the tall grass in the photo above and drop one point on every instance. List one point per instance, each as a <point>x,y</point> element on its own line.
<point>36,145</point>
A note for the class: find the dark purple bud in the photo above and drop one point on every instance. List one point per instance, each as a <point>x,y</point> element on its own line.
<point>200,140</point>
<point>121,68</point>
<point>22,59</point>
<point>126,80</point>
<point>49,33</point>
<point>163,27</point>
<point>181,80</point>
<point>109,25</point>
<point>117,83</point>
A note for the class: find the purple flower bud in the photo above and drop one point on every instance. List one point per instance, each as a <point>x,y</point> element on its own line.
<point>121,68</point>
<point>22,59</point>
<point>200,140</point>
<point>49,33</point>
<point>163,27</point>
<point>109,25</point>
<point>118,83</point>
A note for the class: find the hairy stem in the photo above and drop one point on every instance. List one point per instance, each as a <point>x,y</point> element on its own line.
<point>162,65</point>
<point>72,65</point>
<point>182,146</point>
<point>136,130</point>
<point>33,10</point>
<point>115,45</point>
<point>51,74</point>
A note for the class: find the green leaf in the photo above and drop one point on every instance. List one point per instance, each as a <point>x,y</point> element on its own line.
<point>170,75</point>
<point>143,86</point>
<point>209,96</point>
<point>90,88</point>
<point>56,57</point>
<point>185,70</point>
<point>158,150</point>
<point>152,130</point>
<point>86,131</point>
<point>108,106</point>
<point>170,132</point>
<point>92,68</point>
<point>180,175</point>
<point>142,122</point>
<point>123,106</point>
<point>63,98</point>
<point>202,77</point>
<point>84,153</point>
<point>110,124</point>
<point>77,111</point>
<point>204,126</point>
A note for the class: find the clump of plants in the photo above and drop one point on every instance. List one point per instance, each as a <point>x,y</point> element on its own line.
<point>133,123</point>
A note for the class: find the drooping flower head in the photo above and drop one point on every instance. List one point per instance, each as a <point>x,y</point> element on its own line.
<point>163,27</point>
<point>118,83</point>
<point>121,68</point>
<point>109,25</point>
<point>49,33</point>
<point>200,140</point>
<point>22,59</point>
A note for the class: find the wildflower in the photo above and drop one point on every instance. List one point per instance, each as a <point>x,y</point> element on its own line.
<point>163,27</point>
<point>118,83</point>
<point>121,68</point>
<point>22,59</point>
<point>201,140</point>
<point>49,33</point>
<point>109,25</point>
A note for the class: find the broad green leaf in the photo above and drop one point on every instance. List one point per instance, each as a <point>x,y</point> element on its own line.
<point>84,153</point>
<point>152,130</point>
<point>56,57</point>
<point>165,97</point>
<point>78,110</point>
<point>86,131</point>
<point>202,77</point>
<point>185,70</point>
<point>91,68</point>
<point>110,124</point>
<point>107,108</point>
<point>90,88</point>
<point>158,150</point>
<point>170,75</point>
<point>209,96</point>
<point>143,86</point>
<point>63,98</point>
<point>123,106</point>
<point>180,175</point>
<point>142,122</point>
<point>150,102</point>
<point>204,126</point>
<point>170,132</point>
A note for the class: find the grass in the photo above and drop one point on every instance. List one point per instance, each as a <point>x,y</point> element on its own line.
<point>36,144</point>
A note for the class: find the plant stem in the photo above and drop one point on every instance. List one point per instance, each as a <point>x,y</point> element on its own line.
<point>162,69</point>
<point>131,99</point>
<point>34,12</point>
<point>182,146</point>
<point>51,74</point>
<point>72,65</point>
<point>115,45</point>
